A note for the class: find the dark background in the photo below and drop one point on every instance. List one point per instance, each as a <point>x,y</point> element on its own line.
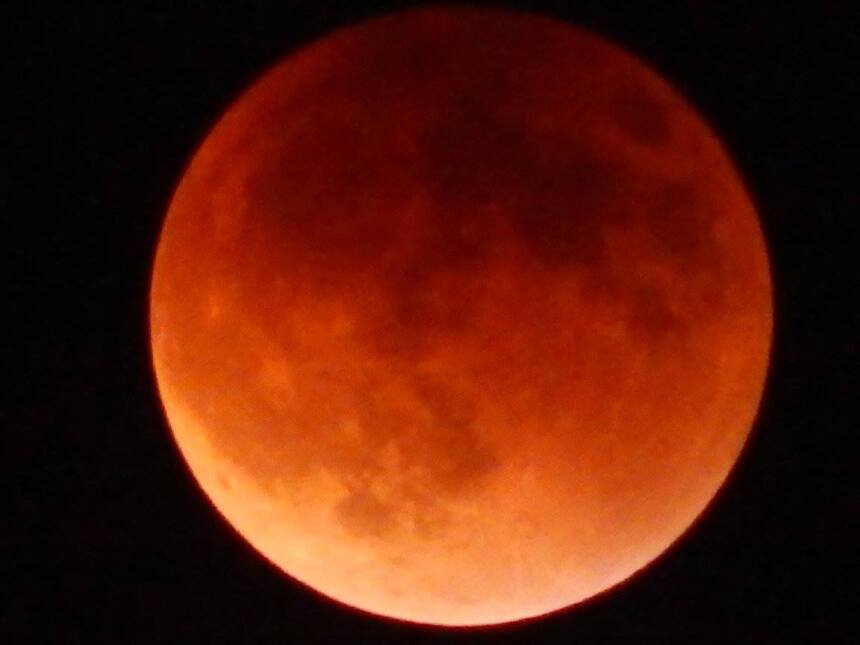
<point>108,539</point>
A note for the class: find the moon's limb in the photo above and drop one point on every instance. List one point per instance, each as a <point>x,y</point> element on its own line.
<point>461,316</point>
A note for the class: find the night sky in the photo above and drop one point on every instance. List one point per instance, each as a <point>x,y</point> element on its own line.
<point>110,540</point>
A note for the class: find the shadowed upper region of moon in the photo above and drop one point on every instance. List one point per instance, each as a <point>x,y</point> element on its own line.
<point>461,299</point>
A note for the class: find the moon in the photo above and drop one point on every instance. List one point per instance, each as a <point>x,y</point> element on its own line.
<point>461,316</point>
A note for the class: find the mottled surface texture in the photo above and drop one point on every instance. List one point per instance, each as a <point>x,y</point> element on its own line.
<point>461,316</point>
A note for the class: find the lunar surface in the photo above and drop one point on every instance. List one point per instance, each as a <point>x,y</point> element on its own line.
<point>461,316</point>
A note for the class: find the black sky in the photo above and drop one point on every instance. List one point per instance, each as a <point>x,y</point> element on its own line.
<point>108,537</point>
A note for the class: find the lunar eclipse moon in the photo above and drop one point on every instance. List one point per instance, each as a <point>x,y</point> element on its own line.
<point>461,316</point>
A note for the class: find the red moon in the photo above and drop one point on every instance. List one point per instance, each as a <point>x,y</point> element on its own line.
<point>461,316</point>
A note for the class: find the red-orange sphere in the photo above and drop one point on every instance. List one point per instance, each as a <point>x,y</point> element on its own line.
<point>461,316</point>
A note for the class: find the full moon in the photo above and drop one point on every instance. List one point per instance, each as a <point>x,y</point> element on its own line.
<point>461,316</point>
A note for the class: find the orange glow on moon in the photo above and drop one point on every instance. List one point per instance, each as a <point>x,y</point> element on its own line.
<point>461,316</point>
